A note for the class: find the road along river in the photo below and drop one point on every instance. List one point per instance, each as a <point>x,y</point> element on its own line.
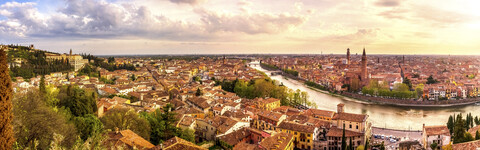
<point>382,116</point>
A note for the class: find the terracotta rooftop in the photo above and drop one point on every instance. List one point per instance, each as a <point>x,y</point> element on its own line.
<point>129,138</point>
<point>270,115</point>
<point>350,117</point>
<point>473,145</point>
<point>277,142</point>
<point>436,130</point>
<point>319,112</point>
<point>235,137</point>
<point>246,146</point>
<point>187,120</point>
<point>269,100</point>
<point>224,123</point>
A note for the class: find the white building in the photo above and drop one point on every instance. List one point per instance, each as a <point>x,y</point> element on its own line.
<point>435,134</point>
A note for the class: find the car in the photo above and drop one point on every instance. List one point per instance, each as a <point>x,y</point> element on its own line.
<point>393,140</point>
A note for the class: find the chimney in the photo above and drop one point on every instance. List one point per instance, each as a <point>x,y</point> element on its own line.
<point>340,108</point>
<point>141,96</point>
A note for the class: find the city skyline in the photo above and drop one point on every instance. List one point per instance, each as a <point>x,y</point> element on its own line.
<point>243,27</point>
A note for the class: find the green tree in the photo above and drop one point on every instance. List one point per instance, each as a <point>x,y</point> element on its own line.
<point>434,146</point>
<point>42,86</point>
<point>350,145</point>
<point>188,134</point>
<point>477,135</point>
<point>407,82</point>
<point>400,87</point>
<point>125,118</point>
<point>419,90</point>
<point>468,137</point>
<point>111,59</point>
<point>6,95</point>
<point>88,126</point>
<point>79,101</point>
<point>51,98</point>
<point>450,124</point>
<point>35,123</point>
<point>162,123</point>
<point>382,146</point>
<point>430,80</point>
<point>459,130</point>
<point>199,92</point>
<point>133,78</point>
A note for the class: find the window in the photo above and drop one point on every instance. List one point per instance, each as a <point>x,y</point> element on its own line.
<point>308,142</point>
<point>350,126</point>
<point>295,133</point>
<point>357,127</point>
<point>308,135</point>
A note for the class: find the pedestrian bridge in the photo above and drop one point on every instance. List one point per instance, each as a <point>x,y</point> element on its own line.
<point>254,63</point>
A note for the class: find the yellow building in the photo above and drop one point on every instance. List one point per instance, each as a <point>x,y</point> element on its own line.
<point>268,104</point>
<point>76,61</point>
<point>303,135</point>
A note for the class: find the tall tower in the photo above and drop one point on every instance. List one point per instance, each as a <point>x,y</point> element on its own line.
<point>348,55</point>
<point>364,66</point>
<point>224,60</point>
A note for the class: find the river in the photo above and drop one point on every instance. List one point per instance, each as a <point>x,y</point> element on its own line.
<point>383,116</point>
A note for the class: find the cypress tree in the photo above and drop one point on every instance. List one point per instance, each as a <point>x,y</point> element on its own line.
<point>6,94</point>
<point>351,144</point>
<point>477,135</point>
<point>344,140</point>
<point>41,86</point>
<point>450,124</point>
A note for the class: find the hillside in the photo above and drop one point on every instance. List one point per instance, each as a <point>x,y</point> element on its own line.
<point>28,62</point>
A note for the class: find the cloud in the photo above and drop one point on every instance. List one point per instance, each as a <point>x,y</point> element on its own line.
<point>94,19</point>
<point>394,14</point>
<point>441,17</point>
<point>101,19</point>
<point>191,2</point>
<point>361,36</point>
<point>21,18</point>
<point>388,3</point>
<point>250,23</point>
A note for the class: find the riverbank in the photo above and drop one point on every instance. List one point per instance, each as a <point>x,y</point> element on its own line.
<point>386,101</point>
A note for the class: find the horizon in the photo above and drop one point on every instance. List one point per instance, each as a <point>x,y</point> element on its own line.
<point>120,27</point>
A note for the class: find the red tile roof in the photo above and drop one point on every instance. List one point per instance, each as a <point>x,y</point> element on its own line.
<point>129,138</point>
<point>473,145</point>
<point>350,117</point>
<point>436,130</point>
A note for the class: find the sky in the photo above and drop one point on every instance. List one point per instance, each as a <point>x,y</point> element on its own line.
<point>104,27</point>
